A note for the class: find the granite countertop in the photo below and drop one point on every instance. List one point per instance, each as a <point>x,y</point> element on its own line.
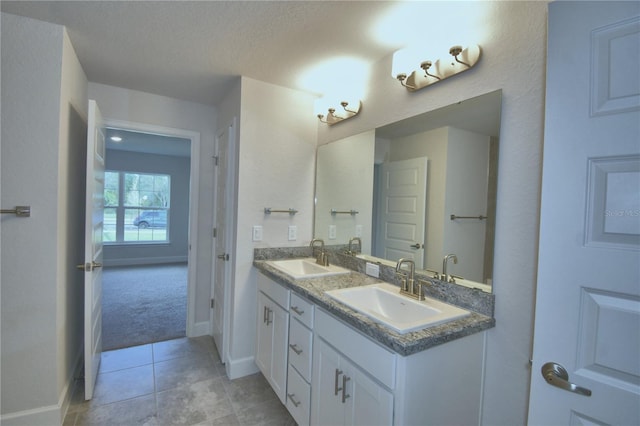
<point>404,344</point>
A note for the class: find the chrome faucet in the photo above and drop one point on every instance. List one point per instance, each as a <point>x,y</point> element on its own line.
<point>408,286</point>
<point>322,258</point>
<point>354,240</point>
<point>445,275</point>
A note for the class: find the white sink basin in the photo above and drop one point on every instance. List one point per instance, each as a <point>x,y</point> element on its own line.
<point>306,268</point>
<point>384,304</point>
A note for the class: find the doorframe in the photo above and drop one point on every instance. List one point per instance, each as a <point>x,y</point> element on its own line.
<point>192,329</point>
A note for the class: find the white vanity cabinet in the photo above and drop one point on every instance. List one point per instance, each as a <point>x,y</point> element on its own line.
<point>358,382</point>
<point>353,377</point>
<point>272,334</point>
<point>328,373</point>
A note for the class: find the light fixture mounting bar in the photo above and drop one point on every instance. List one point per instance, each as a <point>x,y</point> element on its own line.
<point>434,72</point>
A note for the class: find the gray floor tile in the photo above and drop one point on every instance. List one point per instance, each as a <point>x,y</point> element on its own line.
<point>199,402</point>
<point>185,383</point>
<point>184,371</point>
<point>123,384</point>
<point>178,348</point>
<point>265,413</point>
<point>139,411</point>
<point>248,391</point>
<point>120,359</point>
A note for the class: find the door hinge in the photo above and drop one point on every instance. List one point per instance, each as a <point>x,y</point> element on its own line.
<point>211,303</point>
<point>215,232</point>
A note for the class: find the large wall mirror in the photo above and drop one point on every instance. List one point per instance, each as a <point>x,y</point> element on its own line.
<point>421,188</point>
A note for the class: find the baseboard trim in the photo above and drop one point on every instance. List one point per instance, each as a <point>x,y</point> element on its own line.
<point>240,367</point>
<point>145,261</point>
<point>199,329</point>
<point>70,387</point>
<point>41,416</point>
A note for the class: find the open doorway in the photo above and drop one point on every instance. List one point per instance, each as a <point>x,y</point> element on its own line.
<point>146,279</point>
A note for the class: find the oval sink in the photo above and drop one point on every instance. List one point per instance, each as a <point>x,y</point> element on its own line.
<point>306,268</point>
<point>384,304</point>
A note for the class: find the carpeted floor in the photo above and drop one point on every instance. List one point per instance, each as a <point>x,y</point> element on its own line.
<point>143,304</point>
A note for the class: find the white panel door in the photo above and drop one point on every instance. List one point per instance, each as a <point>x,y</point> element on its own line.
<point>93,248</point>
<point>402,212</point>
<point>221,264</point>
<point>588,294</point>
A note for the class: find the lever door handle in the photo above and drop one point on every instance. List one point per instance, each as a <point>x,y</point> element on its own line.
<point>223,256</point>
<point>416,246</point>
<point>88,267</point>
<point>556,375</point>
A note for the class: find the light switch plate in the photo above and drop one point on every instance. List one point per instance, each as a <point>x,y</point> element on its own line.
<point>293,232</point>
<point>332,232</point>
<point>257,233</point>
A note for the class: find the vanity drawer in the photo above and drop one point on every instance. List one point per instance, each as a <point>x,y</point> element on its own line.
<point>298,397</point>
<point>300,341</point>
<point>372,358</point>
<point>274,291</point>
<point>301,310</point>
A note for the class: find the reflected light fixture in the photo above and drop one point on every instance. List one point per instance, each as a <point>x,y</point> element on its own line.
<point>434,72</point>
<point>347,112</point>
<point>116,138</point>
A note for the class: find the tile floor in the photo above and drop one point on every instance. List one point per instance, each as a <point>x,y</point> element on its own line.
<point>176,382</point>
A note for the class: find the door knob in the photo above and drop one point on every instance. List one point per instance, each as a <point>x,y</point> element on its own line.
<point>556,375</point>
<point>416,246</point>
<point>223,256</point>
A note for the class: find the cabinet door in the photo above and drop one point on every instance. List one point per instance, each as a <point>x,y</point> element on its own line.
<point>368,403</point>
<point>272,336</point>
<point>264,341</point>
<point>279,351</point>
<point>326,403</point>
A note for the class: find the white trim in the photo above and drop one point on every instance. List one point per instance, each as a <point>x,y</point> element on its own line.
<point>240,367</point>
<point>145,261</point>
<point>45,416</point>
<point>202,328</point>
<point>70,387</point>
<point>194,185</point>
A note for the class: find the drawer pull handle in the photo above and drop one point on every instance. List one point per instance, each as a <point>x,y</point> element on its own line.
<point>264,315</point>
<point>297,310</point>
<point>293,401</point>
<point>336,388</point>
<point>345,379</point>
<point>294,348</point>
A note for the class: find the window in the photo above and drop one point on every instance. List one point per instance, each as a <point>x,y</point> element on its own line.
<point>136,207</point>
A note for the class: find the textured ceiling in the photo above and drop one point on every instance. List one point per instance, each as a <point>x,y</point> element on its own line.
<point>193,50</point>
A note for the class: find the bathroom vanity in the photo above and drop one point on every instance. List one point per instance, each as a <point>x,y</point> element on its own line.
<point>330,364</point>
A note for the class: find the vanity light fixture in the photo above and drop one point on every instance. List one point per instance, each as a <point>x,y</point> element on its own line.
<point>434,72</point>
<point>334,117</point>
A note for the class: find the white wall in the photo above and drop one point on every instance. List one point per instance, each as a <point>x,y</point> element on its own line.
<point>138,107</point>
<point>513,59</point>
<point>344,182</point>
<point>467,180</point>
<point>43,139</point>
<point>277,143</point>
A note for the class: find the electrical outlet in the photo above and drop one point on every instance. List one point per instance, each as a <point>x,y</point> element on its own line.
<point>332,232</point>
<point>293,232</point>
<point>372,269</point>
<point>257,233</point>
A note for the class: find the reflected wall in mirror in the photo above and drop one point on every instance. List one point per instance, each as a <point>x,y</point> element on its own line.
<point>406,180</point>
